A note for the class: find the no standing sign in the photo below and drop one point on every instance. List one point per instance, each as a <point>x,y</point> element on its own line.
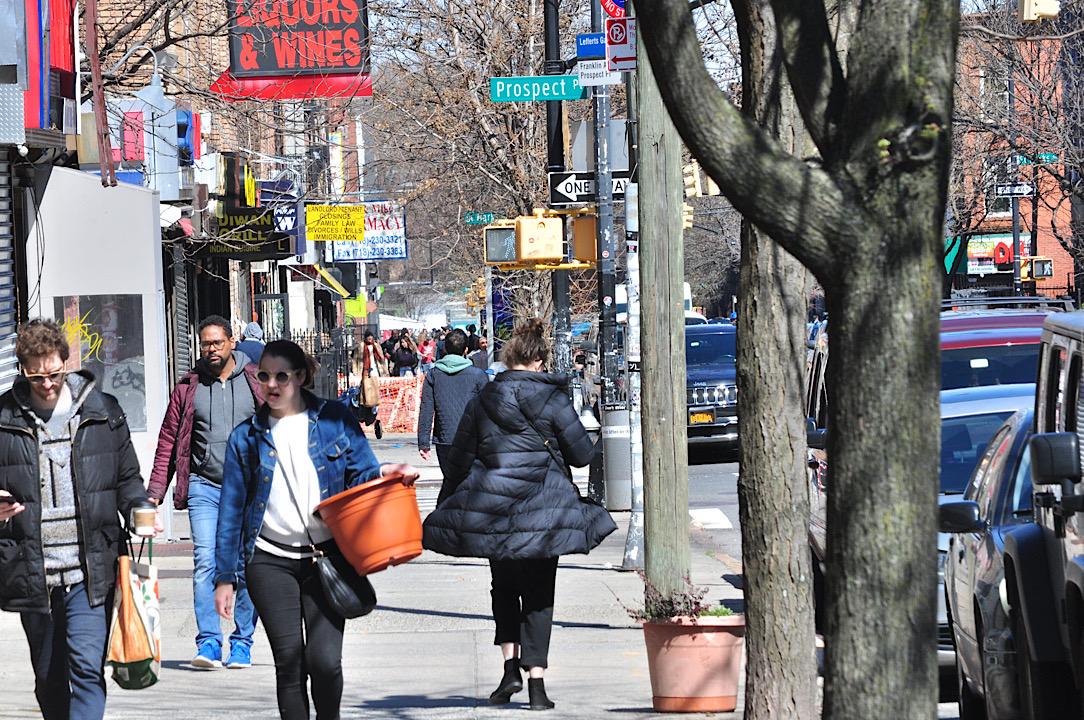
<point>620,44</point>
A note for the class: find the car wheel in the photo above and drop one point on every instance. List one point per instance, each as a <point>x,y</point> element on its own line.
<point>1047,689</point>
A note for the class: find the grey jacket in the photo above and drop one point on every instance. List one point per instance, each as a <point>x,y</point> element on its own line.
<point>220,407</point>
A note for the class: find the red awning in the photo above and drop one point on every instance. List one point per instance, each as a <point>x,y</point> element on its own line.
<point>290,87</point>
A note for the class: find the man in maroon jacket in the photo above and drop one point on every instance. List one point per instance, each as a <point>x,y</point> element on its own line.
<point>214,397</point>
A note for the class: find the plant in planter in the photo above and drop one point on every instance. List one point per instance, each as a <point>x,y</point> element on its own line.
<point>693,650</point>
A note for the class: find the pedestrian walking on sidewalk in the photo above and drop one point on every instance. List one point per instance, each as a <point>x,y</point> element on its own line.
<point>206,405</point>
<point>366,364</point>
<point>61,536</point>
<point>251,342</point>
<point>448,387</point>
<point>295,452</point>
<point>509,497</point>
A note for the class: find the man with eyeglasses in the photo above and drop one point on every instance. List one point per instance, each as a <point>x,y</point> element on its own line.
<point>216,395</point>
<point>68,473</point>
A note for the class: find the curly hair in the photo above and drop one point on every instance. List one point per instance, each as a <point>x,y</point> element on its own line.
<point>528,345</point>
<point>40,338</point>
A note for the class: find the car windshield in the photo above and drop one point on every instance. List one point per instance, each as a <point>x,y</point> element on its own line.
<point>962,441</point>
<point>710,349</point>
<point>1020,500</point>
<point>990,365</point>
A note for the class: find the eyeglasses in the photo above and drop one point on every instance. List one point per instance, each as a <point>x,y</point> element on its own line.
<point>38,379</point>
<point>216,344</point>
<point>281,377</point>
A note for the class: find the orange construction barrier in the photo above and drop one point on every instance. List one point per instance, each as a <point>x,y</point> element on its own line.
<point>400,399</point>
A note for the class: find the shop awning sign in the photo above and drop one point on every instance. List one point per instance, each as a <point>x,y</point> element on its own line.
<point>298,37</point>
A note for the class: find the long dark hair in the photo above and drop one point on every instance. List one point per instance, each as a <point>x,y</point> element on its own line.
<point>298,359</point>
<point>528,344</point>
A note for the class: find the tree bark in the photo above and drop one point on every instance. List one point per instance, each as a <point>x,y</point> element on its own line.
<point>868,221</point>
<point>773,497</point>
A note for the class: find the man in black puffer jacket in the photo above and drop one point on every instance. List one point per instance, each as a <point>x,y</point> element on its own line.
<point>509,497</point>
<point>67,459</point>
<point>449,386</point>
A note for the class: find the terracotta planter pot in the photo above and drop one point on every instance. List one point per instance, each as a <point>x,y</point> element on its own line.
<point>694,662</point>
<point>376,524</point>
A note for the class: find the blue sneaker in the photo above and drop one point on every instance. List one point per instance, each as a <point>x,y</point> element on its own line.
<point>240,656</point>
<point>209,655</point>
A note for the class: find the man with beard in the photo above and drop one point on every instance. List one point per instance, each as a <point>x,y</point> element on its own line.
<point>219,393</point>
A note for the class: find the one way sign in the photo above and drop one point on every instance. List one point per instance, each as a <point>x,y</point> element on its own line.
<point>571,188</point>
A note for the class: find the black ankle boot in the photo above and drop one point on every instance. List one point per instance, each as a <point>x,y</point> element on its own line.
<point>510,683</point>
<point>536,687</point>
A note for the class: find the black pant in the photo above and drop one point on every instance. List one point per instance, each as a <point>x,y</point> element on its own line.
<point>523,606</point>
<point>444,454</point>
<point>306,635</point>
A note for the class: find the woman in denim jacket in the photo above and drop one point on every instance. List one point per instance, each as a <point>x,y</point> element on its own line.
<point>295,452</point>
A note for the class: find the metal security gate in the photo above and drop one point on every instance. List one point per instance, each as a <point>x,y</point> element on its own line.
<point>9,306</point>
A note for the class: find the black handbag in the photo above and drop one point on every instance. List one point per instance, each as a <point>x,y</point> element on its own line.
<point>348,593</point>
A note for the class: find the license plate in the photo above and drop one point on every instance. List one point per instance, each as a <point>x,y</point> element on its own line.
<point>700,418</point>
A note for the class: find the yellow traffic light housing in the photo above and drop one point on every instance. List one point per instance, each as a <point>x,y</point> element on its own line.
<point>691,175</point>
<point>1032,10</point>
<point>585,239</point>
<point>540,239</point>
<point>1042,268</point>
<point>686,216</point>
<point>1025,269</point>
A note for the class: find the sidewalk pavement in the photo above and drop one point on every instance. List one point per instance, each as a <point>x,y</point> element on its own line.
<point>425,652</point>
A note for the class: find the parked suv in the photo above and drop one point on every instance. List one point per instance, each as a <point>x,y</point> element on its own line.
<point>1044,560</point>
<point>711,384</point>
<point>983,342</point>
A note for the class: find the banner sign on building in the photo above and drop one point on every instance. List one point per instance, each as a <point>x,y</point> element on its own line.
<point>247,234</point>
<point>298,37</point>
<point>986,252</point>
<point>367,231</point>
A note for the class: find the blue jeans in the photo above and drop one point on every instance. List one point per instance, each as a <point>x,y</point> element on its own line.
<point>67,650</point>
<point>203,517</point>
<point>405,371</point>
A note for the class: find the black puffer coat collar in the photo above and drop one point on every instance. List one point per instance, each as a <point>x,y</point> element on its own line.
<point>518,393</point>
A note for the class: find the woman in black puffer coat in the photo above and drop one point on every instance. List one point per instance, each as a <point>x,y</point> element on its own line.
<point>509,497</point>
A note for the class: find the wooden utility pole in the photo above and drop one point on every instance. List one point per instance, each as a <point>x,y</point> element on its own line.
<point>662,340</point>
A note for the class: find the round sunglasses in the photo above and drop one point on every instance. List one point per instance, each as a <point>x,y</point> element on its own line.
<point>281,377</point>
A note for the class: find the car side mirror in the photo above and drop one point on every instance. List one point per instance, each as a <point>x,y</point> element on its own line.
<point>1055,457</point>
<point>815,438</point>
<point>960,517</point>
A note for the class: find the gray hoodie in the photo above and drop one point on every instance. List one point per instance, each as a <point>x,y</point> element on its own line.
<point>219,407</point>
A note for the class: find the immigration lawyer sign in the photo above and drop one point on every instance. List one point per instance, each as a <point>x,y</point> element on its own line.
<point>298,37</point>
<point>367,231</point>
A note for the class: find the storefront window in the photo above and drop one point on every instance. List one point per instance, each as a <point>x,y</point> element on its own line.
<point>105,333</point>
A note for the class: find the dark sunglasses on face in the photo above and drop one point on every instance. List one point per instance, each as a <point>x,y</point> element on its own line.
<point>54,377</point>
<point>281,377</point>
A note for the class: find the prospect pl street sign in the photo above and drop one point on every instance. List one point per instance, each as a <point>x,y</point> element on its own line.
<point>570,188</point>
<point>526,89</point>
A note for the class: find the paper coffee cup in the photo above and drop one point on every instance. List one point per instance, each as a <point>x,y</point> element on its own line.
<point>143,519</point>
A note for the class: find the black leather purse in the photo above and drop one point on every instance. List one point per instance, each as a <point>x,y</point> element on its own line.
<point>348,593</point>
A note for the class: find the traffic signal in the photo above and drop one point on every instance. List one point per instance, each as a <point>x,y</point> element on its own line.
<point>712,188</point>
<point>500,242</point>
<point>691,174</point>
<point>585,239</point>
<point>540,239</point>
<point>1032,10</point>
<point>1025,269</point>
<point>686,216</point>
<point>1041,268</point>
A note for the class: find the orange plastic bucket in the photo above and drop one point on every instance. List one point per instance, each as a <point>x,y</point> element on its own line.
<point>376,524</point>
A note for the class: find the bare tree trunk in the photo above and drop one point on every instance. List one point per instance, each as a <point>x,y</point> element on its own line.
<point>772,487</point>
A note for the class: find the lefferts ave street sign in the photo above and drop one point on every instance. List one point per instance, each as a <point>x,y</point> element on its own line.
<point>1017,190</point>
<point>569,188</point>
<point>546,87</point>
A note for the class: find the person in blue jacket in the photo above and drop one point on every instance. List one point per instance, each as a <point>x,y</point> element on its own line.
<point>295,452</point>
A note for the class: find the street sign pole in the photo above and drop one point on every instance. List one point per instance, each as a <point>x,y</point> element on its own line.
<point>559,280</point>
<point>615,418</point>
